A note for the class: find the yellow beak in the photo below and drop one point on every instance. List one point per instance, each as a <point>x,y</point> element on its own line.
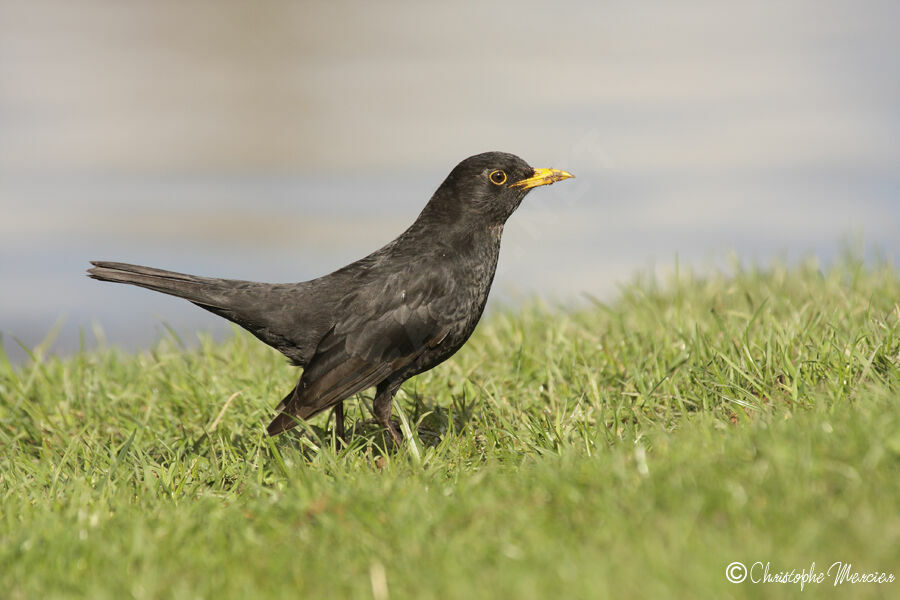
<point>542,177</point>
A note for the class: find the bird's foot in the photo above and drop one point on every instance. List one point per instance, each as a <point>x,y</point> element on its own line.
<point>394,433</point>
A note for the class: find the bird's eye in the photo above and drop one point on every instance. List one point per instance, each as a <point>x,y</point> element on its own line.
<point>498,177</point>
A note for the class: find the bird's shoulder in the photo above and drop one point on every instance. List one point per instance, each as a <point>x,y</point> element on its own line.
<point>416,287</point>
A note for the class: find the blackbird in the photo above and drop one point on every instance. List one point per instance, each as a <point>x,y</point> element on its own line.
<point>384,318</point>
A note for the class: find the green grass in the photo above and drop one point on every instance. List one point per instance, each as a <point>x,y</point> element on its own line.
<point>632,449</point>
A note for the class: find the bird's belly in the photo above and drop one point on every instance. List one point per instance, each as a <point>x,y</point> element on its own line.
<point>461,324</point>
<point>460,311</point>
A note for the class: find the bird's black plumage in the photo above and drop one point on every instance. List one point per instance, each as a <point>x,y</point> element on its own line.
<point>380,320</point>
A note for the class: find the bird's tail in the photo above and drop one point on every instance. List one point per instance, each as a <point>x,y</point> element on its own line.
<point>199,290</point>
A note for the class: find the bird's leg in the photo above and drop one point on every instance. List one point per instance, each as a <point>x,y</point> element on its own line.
<point>339,422</point>
<point>382,409</point>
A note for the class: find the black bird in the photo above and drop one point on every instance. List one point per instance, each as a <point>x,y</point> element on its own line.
<point>382,319</point>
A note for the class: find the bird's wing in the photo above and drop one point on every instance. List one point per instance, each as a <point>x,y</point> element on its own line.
<point>377,335</point>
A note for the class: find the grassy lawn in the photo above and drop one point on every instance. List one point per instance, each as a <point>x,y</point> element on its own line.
<point>631,449</point>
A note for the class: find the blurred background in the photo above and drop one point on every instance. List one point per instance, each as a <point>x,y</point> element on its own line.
<point>278,141</point>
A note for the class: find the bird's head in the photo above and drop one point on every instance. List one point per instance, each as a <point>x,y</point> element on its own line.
<point>490,186</point>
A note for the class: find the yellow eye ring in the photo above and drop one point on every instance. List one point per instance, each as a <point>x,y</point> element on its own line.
<point>497,177</point>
